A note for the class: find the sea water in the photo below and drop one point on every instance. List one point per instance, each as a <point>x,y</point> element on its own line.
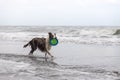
<point>83,53</point>
<point>75,34</point>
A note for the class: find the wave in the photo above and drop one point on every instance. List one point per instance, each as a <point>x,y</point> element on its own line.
<point>117,32</point>
<point>82,35</point>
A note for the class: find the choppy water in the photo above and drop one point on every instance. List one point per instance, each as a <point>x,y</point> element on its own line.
<point>23,67</point>
<point>72,61</point>
<point>74,34</point>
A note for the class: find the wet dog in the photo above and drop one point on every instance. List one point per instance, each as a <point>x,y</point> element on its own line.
<point>41,43</point>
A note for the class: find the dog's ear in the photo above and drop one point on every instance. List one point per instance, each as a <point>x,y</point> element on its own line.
<point>49,33</point>
<point>55,34</point>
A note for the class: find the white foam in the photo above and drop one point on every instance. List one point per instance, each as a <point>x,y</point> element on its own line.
<point>73,34</point>
<point>11,66</point>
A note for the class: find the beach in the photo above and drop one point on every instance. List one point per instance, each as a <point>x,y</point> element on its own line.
<point>81,54</point>
<point>71,62</point>
<point>59,39</point>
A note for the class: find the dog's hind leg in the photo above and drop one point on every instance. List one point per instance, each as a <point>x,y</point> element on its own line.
<point>33,48</point>
<point>31,52</point>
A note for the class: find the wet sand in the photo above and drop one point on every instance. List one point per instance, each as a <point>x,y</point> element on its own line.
<point>71,62</point>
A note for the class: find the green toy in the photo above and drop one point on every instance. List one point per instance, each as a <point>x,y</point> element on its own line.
<point>53,41</point>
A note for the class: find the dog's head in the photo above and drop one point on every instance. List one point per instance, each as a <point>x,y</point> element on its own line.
<point>52,35</point>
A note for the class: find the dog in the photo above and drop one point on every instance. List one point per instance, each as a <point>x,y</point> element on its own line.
<point>41,43</point>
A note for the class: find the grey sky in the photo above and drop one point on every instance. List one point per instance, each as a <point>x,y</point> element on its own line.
<point>60,12</point>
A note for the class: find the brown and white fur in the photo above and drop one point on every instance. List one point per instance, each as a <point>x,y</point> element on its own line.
<point>41,43</point>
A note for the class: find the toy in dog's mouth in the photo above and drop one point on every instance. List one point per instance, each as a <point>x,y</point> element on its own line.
<point>53,41</point>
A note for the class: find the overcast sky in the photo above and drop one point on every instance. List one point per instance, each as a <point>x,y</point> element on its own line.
<point>60,12</point>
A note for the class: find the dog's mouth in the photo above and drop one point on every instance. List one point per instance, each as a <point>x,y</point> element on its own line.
<point>53,39</point>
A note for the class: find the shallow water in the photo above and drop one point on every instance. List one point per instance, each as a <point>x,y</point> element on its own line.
<point>71,62</point>
<point>18,67</point>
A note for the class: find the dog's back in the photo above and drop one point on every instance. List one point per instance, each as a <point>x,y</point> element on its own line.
<point>39,43</point>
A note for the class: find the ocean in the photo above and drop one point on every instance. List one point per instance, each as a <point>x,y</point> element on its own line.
<point>83,53</point>
<point>75,34</point>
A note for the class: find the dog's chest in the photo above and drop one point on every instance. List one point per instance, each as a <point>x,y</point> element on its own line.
<point>48,46</point>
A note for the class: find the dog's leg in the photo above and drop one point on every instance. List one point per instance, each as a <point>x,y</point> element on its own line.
<point>49,54</point>
<point>33,48</point>
<point>31,52</point>
<point>45,55</point>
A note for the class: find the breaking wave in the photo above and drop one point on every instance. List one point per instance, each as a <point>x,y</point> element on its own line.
<point>82,35</point>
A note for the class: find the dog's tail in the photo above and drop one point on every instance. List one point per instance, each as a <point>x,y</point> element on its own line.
<point>25,45</point>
